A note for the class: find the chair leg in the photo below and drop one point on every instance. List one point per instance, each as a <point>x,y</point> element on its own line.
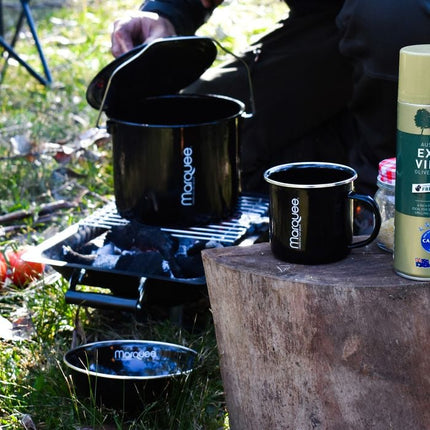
<point>10,47</point>
<point>30,21</point>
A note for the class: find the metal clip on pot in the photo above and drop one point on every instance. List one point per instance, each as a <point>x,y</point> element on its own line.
<point>146,47</point>
<point>99,300</point>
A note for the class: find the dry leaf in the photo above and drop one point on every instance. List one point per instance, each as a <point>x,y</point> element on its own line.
<point>28,423</point>
<point>6,329</point>
<point>21,145</point>
<point>19,328</point>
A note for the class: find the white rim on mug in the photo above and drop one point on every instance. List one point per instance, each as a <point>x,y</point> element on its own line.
<point>317,164</point>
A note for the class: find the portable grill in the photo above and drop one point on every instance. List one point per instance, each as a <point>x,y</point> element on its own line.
<point>133,286</point>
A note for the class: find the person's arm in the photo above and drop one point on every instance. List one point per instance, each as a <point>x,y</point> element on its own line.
<point>160,18</point>
<point>185,15</point>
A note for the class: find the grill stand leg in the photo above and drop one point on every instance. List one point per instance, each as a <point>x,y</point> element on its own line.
<point>176,314</point>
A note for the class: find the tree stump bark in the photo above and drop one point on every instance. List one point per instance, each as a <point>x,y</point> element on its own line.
<point>338,346</point>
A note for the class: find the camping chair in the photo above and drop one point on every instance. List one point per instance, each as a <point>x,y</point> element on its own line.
<point>9,48</point>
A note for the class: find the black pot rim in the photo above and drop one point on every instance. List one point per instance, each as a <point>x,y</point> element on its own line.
<point>125,377</point>
<point>240,111</point>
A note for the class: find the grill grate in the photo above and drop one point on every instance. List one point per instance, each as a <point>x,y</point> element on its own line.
<point>251,212</point>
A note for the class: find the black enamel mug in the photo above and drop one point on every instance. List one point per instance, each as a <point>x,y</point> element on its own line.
<point>312,212</point>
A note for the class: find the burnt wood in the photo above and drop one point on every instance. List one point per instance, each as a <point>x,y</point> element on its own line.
<point>337,346</point>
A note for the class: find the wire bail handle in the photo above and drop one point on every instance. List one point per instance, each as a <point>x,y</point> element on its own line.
<point>143,50</point>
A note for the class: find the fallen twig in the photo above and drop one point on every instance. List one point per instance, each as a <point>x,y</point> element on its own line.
<point>42,210</point>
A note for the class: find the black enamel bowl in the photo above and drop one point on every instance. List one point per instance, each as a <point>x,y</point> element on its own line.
<point>127,374</point>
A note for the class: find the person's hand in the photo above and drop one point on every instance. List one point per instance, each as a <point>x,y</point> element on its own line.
<point>136,28</point>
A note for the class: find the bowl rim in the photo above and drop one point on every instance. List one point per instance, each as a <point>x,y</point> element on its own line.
<point>87,372</point>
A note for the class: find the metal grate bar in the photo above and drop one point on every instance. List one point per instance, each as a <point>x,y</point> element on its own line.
<point>208,234</point>
<point>105,217</point>
<point>249,211</point>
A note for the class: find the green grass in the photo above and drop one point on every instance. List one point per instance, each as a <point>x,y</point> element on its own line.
<point>75,36</point>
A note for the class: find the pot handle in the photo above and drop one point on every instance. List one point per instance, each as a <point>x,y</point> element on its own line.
<point>138,54</point>
<point>248,74</point>
<point>99,300</point>
<point>121,66</point>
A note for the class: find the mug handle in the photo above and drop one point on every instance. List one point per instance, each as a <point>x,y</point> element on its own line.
<point>377,218</point>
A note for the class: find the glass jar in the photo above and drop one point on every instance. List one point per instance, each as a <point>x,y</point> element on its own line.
<point>385,197</point>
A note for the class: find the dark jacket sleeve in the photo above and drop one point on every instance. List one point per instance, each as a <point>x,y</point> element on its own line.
<point>185,15</point>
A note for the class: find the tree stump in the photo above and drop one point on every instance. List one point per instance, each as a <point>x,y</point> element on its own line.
<point>338,346</point>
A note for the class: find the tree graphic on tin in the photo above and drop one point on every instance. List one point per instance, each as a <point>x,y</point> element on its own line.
<point>422,119</point>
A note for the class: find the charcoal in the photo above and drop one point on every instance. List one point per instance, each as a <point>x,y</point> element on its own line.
<point>196,247</point>
<point>122,236</point>
<point>213,244</point>
<point>107,257</point>
<point>87,248</point>
<point>108,249</point>
<point>143,237</point>
<point>148,263</point>
<point>188,266</point>
<point>106,261</point>
<point>83,235</point>
<point>71,256</point>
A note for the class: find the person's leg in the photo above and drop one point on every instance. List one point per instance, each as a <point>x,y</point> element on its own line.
<point>301,86</point>
<point>373,31</point>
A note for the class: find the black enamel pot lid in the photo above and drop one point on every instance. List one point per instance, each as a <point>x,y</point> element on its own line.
<point>162,67</point>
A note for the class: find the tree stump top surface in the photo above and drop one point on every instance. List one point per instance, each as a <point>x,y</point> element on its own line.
<point>363,267</point>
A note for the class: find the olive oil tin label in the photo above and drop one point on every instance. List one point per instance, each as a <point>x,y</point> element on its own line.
<point>412,201</point>
<point>412,246</point>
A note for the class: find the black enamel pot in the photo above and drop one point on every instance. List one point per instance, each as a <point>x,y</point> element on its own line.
<point>175,159</point>
<point>175,156</point>
<point>127,374</point>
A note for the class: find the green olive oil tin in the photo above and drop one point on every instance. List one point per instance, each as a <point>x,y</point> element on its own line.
<point>412,200</point>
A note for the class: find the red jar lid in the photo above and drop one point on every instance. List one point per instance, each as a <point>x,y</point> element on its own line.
<point>387,171</point>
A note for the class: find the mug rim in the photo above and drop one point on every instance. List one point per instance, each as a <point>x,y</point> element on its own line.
<point>287,166</point>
